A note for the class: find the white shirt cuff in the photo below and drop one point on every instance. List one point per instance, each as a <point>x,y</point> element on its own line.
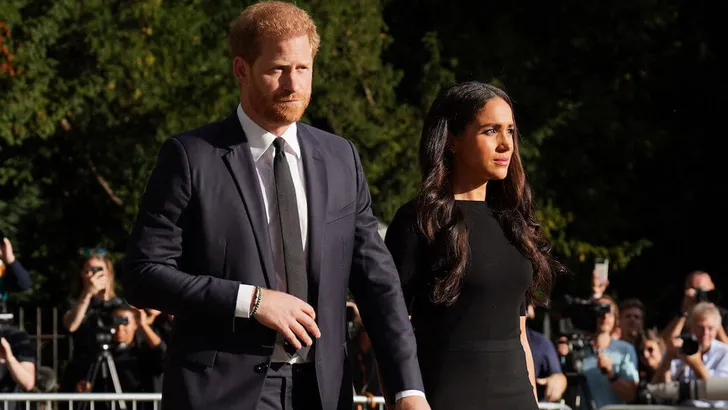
<point>407,393</point>
<point>242,304</point>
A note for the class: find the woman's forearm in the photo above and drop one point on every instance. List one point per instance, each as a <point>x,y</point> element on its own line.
<point>153,339</point>
<point>22,373</point>
<point>74,317</point>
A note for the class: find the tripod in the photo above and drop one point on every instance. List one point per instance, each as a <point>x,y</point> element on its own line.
<point>578,391</point>
<point>105,363</point>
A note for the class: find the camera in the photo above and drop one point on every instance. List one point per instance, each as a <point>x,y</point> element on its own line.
<point>690,344</point>
<point>106,322</point>
<point>578,324</point>
<point>580,315</point>
<point>711,296</point>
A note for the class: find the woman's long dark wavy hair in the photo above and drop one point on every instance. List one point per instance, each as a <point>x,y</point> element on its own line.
<point>439,216</point>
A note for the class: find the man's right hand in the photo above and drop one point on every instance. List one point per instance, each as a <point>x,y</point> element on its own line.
<point>289,316</point>
<point>412,403</point>
<point>598,287</point>
<point>555,385</point>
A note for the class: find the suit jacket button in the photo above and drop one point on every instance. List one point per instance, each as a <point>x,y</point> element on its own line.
<point>260,368</point>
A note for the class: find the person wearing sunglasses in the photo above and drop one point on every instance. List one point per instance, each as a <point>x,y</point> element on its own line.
<point>93,290</point>
<point>651,351</point>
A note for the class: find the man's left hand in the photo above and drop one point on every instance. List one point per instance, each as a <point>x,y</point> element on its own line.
<point>412,403</point>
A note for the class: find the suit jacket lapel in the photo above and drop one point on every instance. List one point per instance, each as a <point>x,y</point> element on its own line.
<point>317,198</point>
<point>241,165</point>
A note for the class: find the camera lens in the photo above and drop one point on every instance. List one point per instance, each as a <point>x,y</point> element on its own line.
<point>690,344</point>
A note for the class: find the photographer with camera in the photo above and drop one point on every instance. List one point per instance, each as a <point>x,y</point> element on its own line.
<point>138,362</point>
<point>88,313</point>
<point>697,355</point>
<point>699,287</point>
<point>610,366</point>
<point>13,276</point>
<point>651,350</point>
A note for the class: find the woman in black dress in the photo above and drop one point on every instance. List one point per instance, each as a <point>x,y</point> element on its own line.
<point>471,256</point>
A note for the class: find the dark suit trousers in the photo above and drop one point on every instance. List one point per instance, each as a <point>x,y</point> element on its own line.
<point>290,387</point>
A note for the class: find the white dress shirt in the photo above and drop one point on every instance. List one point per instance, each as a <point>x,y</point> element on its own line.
<point>261,147</point>
<point>715,361</point>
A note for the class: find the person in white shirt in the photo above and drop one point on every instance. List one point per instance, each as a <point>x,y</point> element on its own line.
<point>711,359</point>
<point>251,232</point>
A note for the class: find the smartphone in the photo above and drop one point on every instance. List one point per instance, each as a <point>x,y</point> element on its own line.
<point>2,235</point>
<point>601,267</point>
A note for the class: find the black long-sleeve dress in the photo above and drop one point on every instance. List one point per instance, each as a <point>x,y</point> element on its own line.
<point>470,353</point>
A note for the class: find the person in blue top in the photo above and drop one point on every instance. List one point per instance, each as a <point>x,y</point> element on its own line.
<point>550,379</point>
<point>13,276</point>
<point>611,369</point>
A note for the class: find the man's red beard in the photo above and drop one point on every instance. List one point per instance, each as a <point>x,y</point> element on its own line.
<point>276,109</point>
<point>289,112</point>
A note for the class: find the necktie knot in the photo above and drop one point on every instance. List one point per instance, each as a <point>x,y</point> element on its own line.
<point>279,143</point>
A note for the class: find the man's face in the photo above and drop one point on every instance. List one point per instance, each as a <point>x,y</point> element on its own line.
<point>125,332</point>
<point>606,323</point>
<point>631,321</point>
<point>276,87</point>
<point>705,329</point>
<point>702,281</point>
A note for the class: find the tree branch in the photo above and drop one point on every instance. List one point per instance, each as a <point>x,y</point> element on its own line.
<point>102,181</point>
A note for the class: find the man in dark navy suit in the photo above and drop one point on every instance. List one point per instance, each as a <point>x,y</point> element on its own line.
<point>250,232</point>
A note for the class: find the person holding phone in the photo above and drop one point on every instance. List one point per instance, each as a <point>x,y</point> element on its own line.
<point>94,290</point>
<point>13,276</point>
<point>600,278</point>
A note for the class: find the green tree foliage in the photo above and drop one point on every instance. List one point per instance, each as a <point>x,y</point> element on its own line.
<point>92,88</point>
<point>607,96</point>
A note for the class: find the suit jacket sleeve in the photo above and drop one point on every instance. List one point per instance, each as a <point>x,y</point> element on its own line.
<point>17,279</point>
<point>151,276</point>
<point>376,288</point>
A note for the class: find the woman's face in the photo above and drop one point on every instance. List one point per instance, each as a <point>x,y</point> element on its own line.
<point>651,353</point>
<point>485,147</point>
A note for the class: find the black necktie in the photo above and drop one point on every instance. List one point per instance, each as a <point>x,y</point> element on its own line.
<point>296,278</point>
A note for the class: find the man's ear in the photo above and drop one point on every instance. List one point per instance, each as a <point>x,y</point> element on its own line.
<point>241,70</point>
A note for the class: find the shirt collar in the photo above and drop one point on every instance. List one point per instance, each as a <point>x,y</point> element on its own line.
<point>261,140</point>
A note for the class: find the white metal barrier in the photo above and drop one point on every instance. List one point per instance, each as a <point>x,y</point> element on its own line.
<point>645,407</point>
<point>553,406</point>
<point>62,401</point>
<point>58,401</point>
